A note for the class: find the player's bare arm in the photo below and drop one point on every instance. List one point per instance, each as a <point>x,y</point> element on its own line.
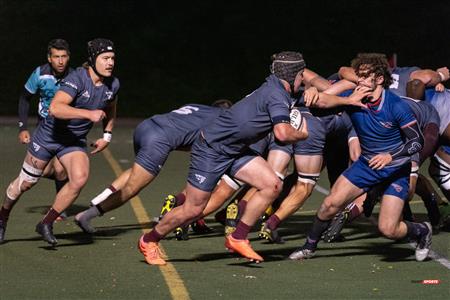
<point>60,108</point>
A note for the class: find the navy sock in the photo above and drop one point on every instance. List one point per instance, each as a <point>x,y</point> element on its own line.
<point>415,230</point>
<point>319,226</point>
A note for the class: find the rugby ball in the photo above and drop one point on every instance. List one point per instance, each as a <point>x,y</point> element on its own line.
<point>296,119</point>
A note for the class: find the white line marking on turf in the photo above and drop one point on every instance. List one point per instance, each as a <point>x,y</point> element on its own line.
<point>433,255</point>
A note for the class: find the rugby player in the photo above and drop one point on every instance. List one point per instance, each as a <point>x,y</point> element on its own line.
<point>86,96</point>
<point>227,139</point>
<point>154,139</point>
<point>385,156</point>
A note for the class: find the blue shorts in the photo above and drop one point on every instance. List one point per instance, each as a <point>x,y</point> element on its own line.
<point>45,147</point>
<point>361,175</point>
<point>151,146</point>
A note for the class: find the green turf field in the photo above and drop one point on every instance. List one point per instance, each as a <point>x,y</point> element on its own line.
<point>108,265</point>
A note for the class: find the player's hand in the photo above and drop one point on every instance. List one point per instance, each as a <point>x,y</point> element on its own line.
<point>439,87</point>
<point>379,161</point>
<point>99,145</point>
<point>311,96</point>
<point>359,93</point>
<point>24,137</point>
<point>96,115</point>
<point>444,71</point>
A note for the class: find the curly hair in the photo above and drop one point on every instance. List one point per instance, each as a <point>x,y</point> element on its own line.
<point>376,63</point>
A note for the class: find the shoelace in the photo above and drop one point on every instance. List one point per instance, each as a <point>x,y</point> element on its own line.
<point>155,252</point>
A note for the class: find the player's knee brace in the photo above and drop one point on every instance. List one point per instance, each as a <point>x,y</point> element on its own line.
<point>30,175</point>
<point>440,172</point>
<point>232,182</point>
<point>310,178</point>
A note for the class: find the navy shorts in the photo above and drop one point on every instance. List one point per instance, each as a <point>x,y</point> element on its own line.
<point>207,165</point>
<point>315,143</point>
<point>151,146</point>
<point>364,177</point>
<point>45,147</point>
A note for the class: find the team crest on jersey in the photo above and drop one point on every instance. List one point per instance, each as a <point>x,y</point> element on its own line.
<point>398,188</point>
<point>86,94</point>
<point>109,95</point>
<point>200,178</point>
<point>386,124</point>
<point>36,147</point>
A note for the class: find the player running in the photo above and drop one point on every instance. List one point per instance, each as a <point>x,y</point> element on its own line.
<point>86,96</point>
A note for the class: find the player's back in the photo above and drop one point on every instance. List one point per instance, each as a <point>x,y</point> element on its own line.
<point>423,111</point>
<point>400,77</point>
<point>183,124</point>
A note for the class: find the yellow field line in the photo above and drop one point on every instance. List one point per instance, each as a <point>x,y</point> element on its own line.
<point>171,276</point>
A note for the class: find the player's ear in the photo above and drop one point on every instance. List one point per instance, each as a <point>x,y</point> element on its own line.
<point>379,80</point>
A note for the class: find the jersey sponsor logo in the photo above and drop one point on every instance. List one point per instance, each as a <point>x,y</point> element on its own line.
<point>47,76</point>
<point>72,85</point>
<point>109,95</point>
<point>398,188</point>
<point>36,147</point>
<point>200,178</point>
<point>386,124</point>
<point>86,94</point>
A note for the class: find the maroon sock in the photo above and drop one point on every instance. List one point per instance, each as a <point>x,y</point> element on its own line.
<point>152,236</point>
<point>4,214</point>
<point>241,231</point>
<point>273,222</point>
<point>241,207</point>
<point>112,189</point>
<point>180,198</point>
<point>50,217</point>
<point>354,213</point>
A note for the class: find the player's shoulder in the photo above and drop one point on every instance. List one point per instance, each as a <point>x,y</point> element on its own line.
<point>403,70</point>
<point>76,78</point>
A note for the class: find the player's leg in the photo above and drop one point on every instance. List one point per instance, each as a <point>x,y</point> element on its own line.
<point>137,179</point>
<point>259,174</point>
<point>308,167</point>
<point>342,193</point>
<point>391,226</point>
<point>431,199</point>
<point>116,185</point>
<point>32,169</point>
<point>224,190</point>
<point>76,164</point>
<point>390,215</point>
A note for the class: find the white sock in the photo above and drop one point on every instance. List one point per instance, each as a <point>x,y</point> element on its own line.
<point>102,196</point>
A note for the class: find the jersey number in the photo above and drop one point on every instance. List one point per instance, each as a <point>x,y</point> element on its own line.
<point>186,110</point>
